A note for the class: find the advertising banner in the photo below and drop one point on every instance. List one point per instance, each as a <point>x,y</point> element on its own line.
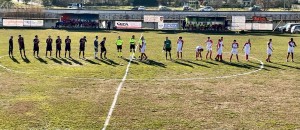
<point>238,19</point>
<point>128,25</point>
<point>13,22</point>
<point>168,26</point>
<point>33,23</point>
<point>153,19</point>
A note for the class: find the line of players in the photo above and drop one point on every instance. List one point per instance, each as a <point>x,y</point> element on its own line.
<point>82,45</point>
<point>220,46</point>
<point>142,48</point>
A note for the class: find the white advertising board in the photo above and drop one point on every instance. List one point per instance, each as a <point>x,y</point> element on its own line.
<point>128,25</point>
<point>153,19</point>
<point>33,23</point>
<point>13,22</point>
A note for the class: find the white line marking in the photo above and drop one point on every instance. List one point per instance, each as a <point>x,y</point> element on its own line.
<point>113,105</point>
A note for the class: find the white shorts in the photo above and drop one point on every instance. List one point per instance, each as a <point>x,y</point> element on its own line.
<point>234,51</point>
<point>220,51</point>
<point>291,50</point>
<point>179,48</point>
<point>247,52</point>
<point>269,51</point>
<point>209,48</point>
<point>143,49</point>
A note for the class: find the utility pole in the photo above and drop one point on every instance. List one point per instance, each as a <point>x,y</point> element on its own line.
<point>284,4</point>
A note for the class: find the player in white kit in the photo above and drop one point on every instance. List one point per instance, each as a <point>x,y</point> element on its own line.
<point>234,50</point>
<point>269,50</point>
<point>199,50</point>
<point>209,44</point>
<point>143,49</point>
<point>247,49</point>
<point>291,48</point>
<point>220,46</point>
<point>179,47</point>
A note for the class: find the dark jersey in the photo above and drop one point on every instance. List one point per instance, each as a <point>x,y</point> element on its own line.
<point>96,43</point>
<point>49,42</point>
<point>102,44</point>
<point>58,42</point>
<point>11,43</point>
<point>68,42</point>
<point>82,42</point>
<point>36,42</point>
<point>21,42</point>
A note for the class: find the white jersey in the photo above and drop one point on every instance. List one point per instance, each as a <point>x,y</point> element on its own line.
<point>247,48</point>
<point>269,45</point>
<point>179,45</point>
<point>198,48</point>
<point>291,47</point>
<point>143,49</point>
<point>234,48</point>
<point>209,45</point>
<point>220,50</point>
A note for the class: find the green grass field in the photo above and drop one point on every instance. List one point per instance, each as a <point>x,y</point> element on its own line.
<point>58,93</point>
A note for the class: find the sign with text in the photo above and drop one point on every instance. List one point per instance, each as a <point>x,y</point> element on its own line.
<point>33,23</point>
<point>13,22</point>
<point>128,25</point>
<point>168,26</point>
<point>153,19</point>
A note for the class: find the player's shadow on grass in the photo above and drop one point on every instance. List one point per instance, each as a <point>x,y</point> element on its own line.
<point>66,61</point>
<point>55,60</point>
<point>266,66</point>
<point>294,67</point>
<point>92,62</point>
<point>26,60</point>
<point>108,62</point>
<point>246,66</point>
<point>133,62</point>
<point>195,63</point>
<point>184,64</point>
<point>41,60</point>
<point>75,61</point>
<point>154,63</point>
<point>14,60</point>
<point>209,62</point>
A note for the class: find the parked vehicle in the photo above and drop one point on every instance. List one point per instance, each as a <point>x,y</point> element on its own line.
<point>75,6</point>
<point>287,27</point>
<point>164,8</point>
<point>295,29</point>
<point>187,8</point>
<point>207,8</point>
<point>142,8</point>
<point>135,8</point>
<point>255,8</point>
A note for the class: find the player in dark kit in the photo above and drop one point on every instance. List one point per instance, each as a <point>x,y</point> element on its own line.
<point>82,42</point>
<point>58,46</point>
<point>36,47</point>
<point>68,46</point>
<point>49,46</point>
<point>103,49</point>
<point>21,45</point>
<point>11,47</point>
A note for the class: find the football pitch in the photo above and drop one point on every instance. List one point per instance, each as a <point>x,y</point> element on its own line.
<point>64,93</point>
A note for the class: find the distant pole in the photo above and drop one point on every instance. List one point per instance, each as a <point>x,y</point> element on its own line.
<point>284,4</point>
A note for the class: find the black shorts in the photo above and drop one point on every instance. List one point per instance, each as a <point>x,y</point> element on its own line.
<point>132,46</point>
<point>22,48</point>
<point>49,48</point>
<point>10,49</point>
<point>81,48</point>
<point>58,48</point>
<point>119,47</point>
<point>36,48</point>
<point>168,49</point>
<point>68,48</point>
<point>103,49</point>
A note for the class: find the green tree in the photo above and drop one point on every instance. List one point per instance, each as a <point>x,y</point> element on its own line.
<point>145,2</point>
